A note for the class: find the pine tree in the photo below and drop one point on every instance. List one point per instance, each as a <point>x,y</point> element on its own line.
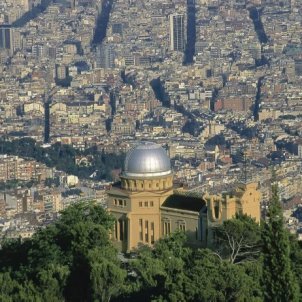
<point>278,279</point>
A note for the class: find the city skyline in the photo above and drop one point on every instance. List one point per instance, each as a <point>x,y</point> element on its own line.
<point>215,85</point>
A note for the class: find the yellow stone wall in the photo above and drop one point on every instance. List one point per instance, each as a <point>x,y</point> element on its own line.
<point>143,184</point>
<point>138,202</point>
<point>188,221</point>
<point>250,201</point>
<point>245,199</point>
<point>136,206</point>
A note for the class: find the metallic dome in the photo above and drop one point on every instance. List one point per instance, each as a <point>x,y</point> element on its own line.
<point>147,160</point>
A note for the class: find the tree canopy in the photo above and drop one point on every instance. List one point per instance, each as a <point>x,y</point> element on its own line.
<point>75,260</point>
<point>71,260</point>
<point>238,239</point>
<point>279,280</point>
<point>101,166</point>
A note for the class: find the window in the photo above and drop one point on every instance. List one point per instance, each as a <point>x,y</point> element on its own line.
<point>140,204</point>
<point>120,202</point>
<point>216,209</point>
<point>125,229</point>
<point>151,204</point>
<point>116,230</point>
<point>146,203</point>
<point>147,231</point>
<point>182,227</point>
<point>152,232</point>
<point>140,229</point>
<point>166,227</point>
<point>121,225</point>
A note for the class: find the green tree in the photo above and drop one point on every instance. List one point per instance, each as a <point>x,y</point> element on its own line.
<point>8,287</point>
<point>63,157</point>
<point>71,260</point>
<point>106,275</point>
<point>238,239</point>
<point>11,290</point>
<point>210,279</point>
<point>296,258</point>
<point>51,282</point>
<point>161,271</point>
<point>173,272</point>
<point>279,282</point>
<point>14,256</point>
<point>80,229</point>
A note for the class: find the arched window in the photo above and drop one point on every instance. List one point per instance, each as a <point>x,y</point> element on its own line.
<point>216,209</point>
<point>166,227</point>
<point>181,225</point>
<point>116,230</point>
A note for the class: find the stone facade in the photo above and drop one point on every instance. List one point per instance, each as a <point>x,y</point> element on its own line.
<point>136,208</point>
<point>146,208</point>
<point>147,213</point>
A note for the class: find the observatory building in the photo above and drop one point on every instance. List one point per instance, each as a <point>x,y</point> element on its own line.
<point>146,207</point>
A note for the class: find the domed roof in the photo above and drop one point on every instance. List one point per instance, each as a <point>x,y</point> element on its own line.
<point>147,160</point>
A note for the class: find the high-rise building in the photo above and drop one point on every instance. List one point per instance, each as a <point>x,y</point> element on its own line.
<point>52,52</point>
<point>10,38</point>
<point>177,32</point>
<point>17,39</point>
<point>117,28</point>
<point>61,72</point>
<point>106,56</point>
<point>73,3</point>
<point>298,67</point>
<point>39,50</point>
<point>6,37</point>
